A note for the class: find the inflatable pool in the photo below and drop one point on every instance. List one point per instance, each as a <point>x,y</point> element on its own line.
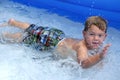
<point>79,10</point>
<point>18,62</point>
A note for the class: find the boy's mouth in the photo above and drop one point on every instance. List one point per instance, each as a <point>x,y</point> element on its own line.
<point>95,44</point>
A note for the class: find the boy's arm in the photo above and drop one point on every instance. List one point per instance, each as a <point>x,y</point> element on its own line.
<point>91,60</point>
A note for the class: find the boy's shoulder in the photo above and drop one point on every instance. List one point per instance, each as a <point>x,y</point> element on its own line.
<point>68,41</point>
<point>73,42</point>
<point>72,39</point>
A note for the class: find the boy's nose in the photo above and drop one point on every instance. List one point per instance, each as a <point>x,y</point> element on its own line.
<point>96,37</point>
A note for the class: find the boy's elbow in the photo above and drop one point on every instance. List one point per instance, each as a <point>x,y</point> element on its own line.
<point>85,64</point>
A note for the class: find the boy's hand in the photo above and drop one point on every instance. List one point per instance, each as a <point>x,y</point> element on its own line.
<point>105,49</point>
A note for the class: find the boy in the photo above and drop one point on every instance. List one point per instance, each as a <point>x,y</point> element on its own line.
<point>88,50</point>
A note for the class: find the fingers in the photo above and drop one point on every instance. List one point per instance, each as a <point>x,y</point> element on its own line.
<point>107,45</point>
<point>105,49</point>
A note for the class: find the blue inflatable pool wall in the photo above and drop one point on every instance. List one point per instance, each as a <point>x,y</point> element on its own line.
<point>79,10</point>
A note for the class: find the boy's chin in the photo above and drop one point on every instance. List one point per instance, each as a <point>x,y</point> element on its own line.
<point>95,47</point>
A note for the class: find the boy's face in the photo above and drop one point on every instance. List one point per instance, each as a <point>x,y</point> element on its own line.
<point>94,37</point>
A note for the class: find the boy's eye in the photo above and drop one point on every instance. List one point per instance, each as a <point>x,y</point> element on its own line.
<point>92,34</point>
<point>100,35</point>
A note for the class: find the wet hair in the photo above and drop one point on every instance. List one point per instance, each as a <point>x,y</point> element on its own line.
<point>98,21</point>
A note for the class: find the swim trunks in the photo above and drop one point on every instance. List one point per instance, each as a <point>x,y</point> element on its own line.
<point>43,38</point>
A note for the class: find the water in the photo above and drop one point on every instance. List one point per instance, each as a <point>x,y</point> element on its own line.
<point>22,63</point>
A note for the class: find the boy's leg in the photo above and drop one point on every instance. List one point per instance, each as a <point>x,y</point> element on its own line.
<point>12,37</point>
<point>15,37</point>
<point>15,23</point>
<point>18,24</point>
<point>4,24</point>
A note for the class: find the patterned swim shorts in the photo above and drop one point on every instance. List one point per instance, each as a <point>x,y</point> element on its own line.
<point>43,38</point>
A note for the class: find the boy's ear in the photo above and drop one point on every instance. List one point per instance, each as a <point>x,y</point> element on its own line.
<point>83,32</point>
<point>105,36</point>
